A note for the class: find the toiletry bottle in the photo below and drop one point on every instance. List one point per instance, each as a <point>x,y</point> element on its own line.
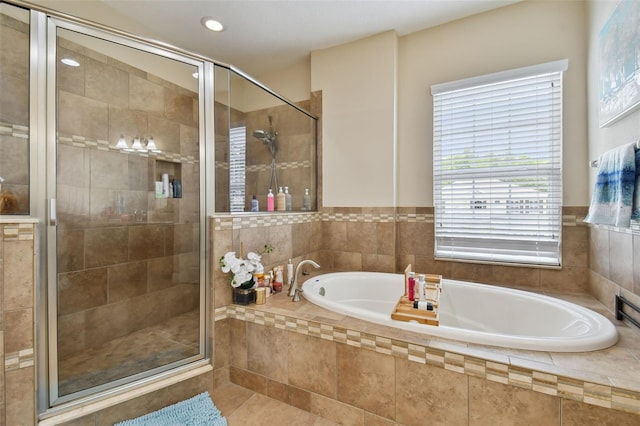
<point>411,286</point>
<point>277,282</point>
<point>422,288</point>
<point>270,201</point>
<point>177,188</point>
<point>287,199</point>
<point>281,202</point>
<point>290,272</point>
<point>425,306</point>
<point>306,200</point>
<point>254,204</point>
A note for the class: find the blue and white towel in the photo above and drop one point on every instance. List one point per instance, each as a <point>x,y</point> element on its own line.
<point>613,194</point>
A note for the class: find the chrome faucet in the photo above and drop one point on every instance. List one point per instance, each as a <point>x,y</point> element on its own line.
<point>295,290</point>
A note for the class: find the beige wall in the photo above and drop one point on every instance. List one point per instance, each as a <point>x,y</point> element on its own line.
<point>523,34</point>
<point>357,81</point>
<point>358,84</point>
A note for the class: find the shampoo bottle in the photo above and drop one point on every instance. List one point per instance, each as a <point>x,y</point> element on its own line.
<point>422,288</point>
<point>255,207</point>
<point>270,201</point>
<point>287,199</point>
<point>281,202</point>
<point>306,200</point>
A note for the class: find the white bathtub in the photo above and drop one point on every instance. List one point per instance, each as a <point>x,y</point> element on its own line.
<point>469,312</point>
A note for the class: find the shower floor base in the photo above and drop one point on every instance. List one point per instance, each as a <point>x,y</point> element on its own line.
<point>164,343</point>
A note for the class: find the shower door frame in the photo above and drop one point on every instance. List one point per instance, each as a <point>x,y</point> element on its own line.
<point>44,90</point>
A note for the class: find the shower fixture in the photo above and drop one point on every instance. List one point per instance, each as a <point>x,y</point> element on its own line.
<point>269,139</point>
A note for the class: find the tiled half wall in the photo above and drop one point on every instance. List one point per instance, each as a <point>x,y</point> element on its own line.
<point>352,377</point>
<point>17,284</point>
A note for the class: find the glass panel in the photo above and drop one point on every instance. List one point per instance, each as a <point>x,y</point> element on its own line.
<point>14,110</point>
<point>128,200</point>
<point>279,144</point>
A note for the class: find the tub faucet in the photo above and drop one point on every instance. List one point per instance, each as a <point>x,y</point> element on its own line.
<point>295,290</point>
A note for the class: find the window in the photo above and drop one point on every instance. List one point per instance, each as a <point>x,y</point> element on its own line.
<point>497,165</point>
<point>237,160</point>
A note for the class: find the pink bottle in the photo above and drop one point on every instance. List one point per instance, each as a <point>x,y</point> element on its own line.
<point>270,201</point>
<point>411,290</point>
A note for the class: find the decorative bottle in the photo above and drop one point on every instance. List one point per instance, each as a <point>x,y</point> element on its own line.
<point>287,199</point>
<point>411,286</point>
<point>281,202</point>
<point>306,200</point>
<point>270,201</point>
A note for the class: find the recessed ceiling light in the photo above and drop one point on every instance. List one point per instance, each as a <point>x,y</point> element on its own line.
<point>70,62</point>
<point>212,24</point>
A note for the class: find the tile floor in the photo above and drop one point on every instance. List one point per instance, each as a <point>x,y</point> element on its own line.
<point>243,407</point>
<point>172,340</point>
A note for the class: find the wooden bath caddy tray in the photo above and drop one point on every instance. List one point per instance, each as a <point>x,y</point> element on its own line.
<point>404,310</point>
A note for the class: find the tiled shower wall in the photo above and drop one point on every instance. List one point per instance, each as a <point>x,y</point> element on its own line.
<point>294,159</point>
<point>127,260</point>
<point>14,109</point>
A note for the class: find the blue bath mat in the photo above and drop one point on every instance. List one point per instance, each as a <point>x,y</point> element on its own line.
<point>196,411</point>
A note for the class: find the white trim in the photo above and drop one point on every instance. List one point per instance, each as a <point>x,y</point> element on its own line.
<point>549,67</point>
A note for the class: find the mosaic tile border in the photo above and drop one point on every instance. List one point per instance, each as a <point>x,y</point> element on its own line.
<point>102,145</point>
<point>222,222</point>
<point>227,222</point>
<point>267,167</point>
<point>537,381</point>
<point>15,130</point>
<point>17,360</point>
<point>18,232</point>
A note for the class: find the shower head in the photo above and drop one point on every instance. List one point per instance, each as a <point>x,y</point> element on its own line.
<point>260,134</point>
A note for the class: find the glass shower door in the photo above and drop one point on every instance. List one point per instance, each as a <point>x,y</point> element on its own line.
<point>128,239</point>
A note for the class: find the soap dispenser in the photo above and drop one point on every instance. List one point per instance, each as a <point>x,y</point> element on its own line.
<point>281,202</point>
<point>287,199</point>
<point>306,200</point>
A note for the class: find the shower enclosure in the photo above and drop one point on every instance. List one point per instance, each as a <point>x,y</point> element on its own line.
<point>126,267</point>
<point>116,144</point>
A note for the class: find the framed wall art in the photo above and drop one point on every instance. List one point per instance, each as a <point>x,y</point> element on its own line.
<point>619,54</point>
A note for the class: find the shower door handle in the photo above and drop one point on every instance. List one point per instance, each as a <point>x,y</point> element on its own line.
<point>53,217</point>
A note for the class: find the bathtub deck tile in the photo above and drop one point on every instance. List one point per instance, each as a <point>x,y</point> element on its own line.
<point>435,358</point>
<point>599,395</point>
<point>475,367</point>
<point>544,383</point>
<point>570,388</point>
<point>497,372</point>
<point>340,334</point>
<point>625,400</point>
<point>454,362</point>
<point>520,377</point>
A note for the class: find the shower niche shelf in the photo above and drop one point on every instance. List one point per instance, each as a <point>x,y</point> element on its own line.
<point>159,167</point>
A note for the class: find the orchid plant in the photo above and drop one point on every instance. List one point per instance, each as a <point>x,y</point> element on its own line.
<point>242,269</point>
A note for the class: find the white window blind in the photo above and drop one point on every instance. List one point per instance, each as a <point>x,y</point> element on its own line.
<point>497,165</point>
<point>237,167</point>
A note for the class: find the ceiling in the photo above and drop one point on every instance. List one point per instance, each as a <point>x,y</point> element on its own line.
<point>263,36</point>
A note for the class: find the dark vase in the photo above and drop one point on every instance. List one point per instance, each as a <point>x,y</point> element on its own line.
<point>244,296</point>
